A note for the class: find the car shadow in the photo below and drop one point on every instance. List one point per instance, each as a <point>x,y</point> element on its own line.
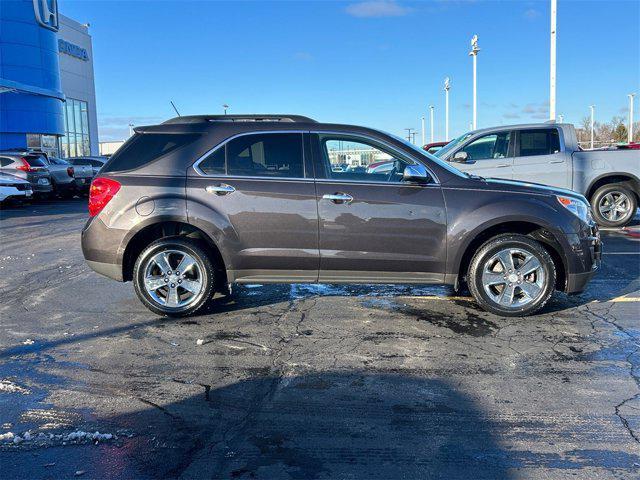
<point>40,207</point>
<point>356,425</point>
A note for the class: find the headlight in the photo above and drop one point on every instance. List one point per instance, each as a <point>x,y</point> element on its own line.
<point>579,208</point>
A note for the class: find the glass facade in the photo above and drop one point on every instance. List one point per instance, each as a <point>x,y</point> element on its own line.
<point>75,142</point>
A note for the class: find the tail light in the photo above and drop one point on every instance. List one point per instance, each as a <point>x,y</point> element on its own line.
<point>70,171</point>
<point>101,192</point>
<point>25,167</point>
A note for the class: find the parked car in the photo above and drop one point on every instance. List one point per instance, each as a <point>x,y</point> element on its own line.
<point>26,166</point>
<point>185,208</point>
<point>81,174</point>
<point>14,188</point>
<point>380,167</point>
<point>433,147</point>
<point>549,154</point>
<point>95,163</point>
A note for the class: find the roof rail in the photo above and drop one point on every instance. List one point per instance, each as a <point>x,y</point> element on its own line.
<point>240,118</point>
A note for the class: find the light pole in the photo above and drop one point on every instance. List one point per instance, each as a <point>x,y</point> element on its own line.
<point>630,129</point>
<point>431,120</point>
<point>225,106</point>
<point>474,53</point>
<point>131,129</point>
<point>592,107</point>
<point>409,134</point>
<point>424,133</point>
<point>552,63</point>
<point>447,87</point>
<point>560,118</point>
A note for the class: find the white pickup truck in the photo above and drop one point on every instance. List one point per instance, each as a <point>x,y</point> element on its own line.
<point>548,153</point>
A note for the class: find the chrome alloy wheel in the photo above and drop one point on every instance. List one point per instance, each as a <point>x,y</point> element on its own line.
<point>513,277</point>
<point>614,206</point>
<point>173,279</point>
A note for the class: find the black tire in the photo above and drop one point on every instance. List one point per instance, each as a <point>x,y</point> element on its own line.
<point>205,268</point>
<point>487,251</point>
<point>613,188</point>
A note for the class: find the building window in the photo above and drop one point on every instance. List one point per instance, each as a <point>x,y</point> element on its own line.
<point>75,142</point>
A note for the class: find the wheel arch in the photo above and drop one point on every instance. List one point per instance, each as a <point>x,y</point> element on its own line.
<point>624,178</point>
<point>167,229</point>
<point>534,230</point>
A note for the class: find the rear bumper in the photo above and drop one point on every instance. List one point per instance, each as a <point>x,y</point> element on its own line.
<point>82,183</point>
<point>100,247</point>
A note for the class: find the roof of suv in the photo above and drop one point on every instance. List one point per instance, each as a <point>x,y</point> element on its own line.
<point>270,117</point>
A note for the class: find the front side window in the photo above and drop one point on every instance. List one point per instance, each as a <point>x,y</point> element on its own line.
<point>347,158</point>
<point>539,142</point>
<point>260,155</point>
<point>495,145</point>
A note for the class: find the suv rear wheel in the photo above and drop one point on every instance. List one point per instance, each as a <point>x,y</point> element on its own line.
<point>174,277</point>
<point>511,276</point>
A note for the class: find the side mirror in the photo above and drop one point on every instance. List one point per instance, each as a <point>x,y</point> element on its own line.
<point>460,157</point>
<point>415,173</point>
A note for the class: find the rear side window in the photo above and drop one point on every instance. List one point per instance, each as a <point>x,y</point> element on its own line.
<point>259,155</point>
<point>143,148</point>
<point>35,161</point>
<point>80,161</point>
<point>538,142</point>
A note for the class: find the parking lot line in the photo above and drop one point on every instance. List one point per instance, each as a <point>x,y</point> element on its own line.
<point>625,299</point>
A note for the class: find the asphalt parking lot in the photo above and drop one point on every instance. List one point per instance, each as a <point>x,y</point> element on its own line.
<point>307,381</point>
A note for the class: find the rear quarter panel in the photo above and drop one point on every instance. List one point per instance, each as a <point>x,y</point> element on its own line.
<point>589,166</point>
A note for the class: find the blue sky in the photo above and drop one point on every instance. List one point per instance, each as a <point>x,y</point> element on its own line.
<point>375,63</point>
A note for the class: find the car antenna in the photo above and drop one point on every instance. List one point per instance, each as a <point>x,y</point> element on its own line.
<point>174,107</point>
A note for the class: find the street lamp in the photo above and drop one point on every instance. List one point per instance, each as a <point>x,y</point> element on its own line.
<point>431,120</point>
<point>424,134</point>
<point>474,53</point>
<point>560,118</point>
<point>447,87</point>
<point>552,63</point>
<point>630,129</point>
<point>225,106</point>
<point>131,129</point>
<point>592,107</point>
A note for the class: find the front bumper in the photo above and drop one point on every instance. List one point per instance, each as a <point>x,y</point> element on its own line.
<point>583,259</point>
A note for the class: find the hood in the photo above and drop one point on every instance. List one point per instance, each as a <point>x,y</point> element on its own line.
<point>528,187</point>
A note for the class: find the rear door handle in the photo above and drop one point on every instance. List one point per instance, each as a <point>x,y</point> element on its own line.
<point>222,189</point>
<point>338,197</point>
<point>556,161</point>
<point>503,165</point>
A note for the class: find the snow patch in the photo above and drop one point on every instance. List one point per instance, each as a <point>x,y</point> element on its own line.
<point>7,386</point>
<point>49,439</point>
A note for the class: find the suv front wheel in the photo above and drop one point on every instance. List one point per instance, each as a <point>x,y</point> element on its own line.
<point>512,276</point>
<point>174,277</point>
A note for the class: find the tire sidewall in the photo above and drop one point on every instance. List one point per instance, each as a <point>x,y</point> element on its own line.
<point>174,244</point>
<point>604,190</point>
<point>491,248</point>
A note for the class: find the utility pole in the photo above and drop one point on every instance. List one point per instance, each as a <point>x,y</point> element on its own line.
<point>409,133</point>
<point>630,129</point>
<point>431,120</point>
<point>424,133</point>
<point>413,137</point>
<point>552,63</point>
<point>592,107</point>
<point>447,87</point>
<point>474,53</point>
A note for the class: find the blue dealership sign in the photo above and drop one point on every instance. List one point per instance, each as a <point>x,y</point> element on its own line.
<point>73,50</point>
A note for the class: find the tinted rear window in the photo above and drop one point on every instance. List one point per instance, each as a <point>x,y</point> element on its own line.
<point>35,161</point>
<point>144,148</point>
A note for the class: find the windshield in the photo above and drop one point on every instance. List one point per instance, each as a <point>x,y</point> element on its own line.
<point>429,156</point>
<point>444,151</point>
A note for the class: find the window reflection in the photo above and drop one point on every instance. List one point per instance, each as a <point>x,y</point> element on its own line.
<point>76,121</point>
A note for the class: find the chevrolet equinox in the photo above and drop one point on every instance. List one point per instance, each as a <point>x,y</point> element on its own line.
<point>186,208</point>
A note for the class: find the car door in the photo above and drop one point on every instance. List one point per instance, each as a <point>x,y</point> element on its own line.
<point>255,196</point>
<point>374,227</point>
<point>489,155</point>
<point>540,158</point>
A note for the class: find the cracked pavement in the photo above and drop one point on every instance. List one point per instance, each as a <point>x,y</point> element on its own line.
<point>307,381</point>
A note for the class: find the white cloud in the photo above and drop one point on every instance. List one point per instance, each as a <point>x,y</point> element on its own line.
<point>377,8</point>
<point>531,14</point>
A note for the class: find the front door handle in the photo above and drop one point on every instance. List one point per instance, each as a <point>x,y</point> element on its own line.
<point>503,165</point>
<point>556,161</point>
<point>222,189</point>
<point>338,197</point>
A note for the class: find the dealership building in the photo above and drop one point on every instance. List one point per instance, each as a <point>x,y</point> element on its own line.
<point>47,91</point>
